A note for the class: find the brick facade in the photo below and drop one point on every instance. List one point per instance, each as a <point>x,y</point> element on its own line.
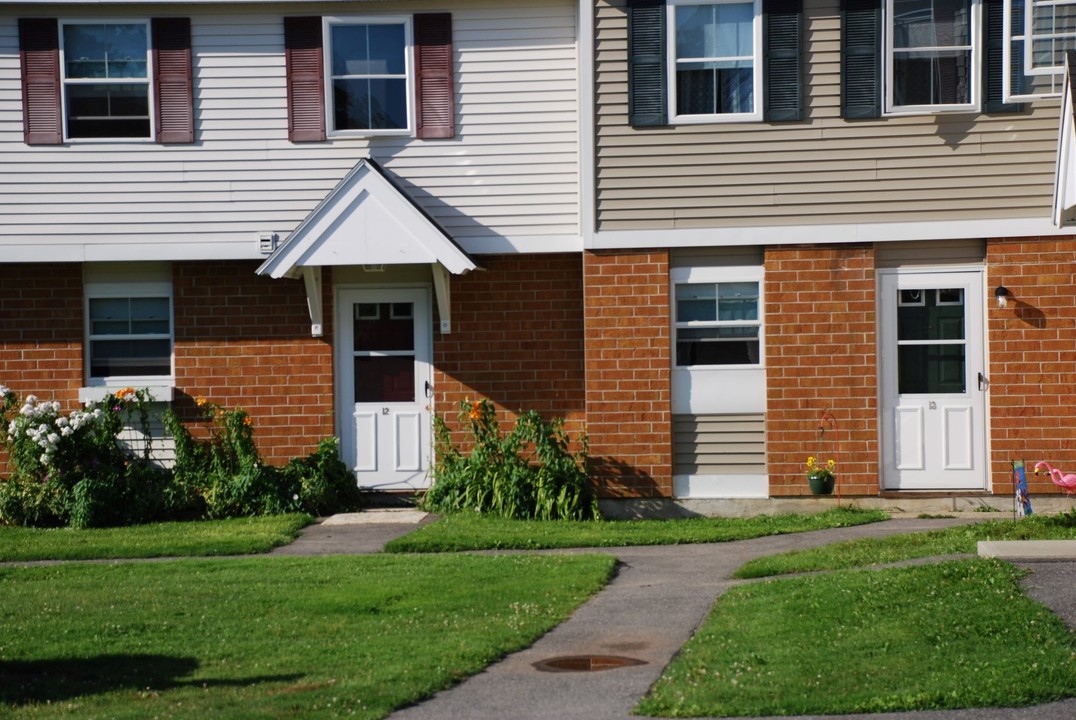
<point>1032,357</point>
<point>821,354</point>
<point>517,339</point>
<point>41,330</point>
<point>244,340</point>
<point>629,368</point>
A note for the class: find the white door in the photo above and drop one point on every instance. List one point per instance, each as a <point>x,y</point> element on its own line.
<point>933,380</point>
<point>384,341</point>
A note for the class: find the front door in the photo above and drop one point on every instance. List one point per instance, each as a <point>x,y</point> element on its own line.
<point>933,380</point>
<point>384,344</point>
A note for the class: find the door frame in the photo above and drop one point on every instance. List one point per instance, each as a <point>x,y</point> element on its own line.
<point>887,358</point>
<point>344,373</point>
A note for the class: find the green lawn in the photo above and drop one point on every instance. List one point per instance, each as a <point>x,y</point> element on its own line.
<point>239,536</point>
<point>875,551</point>
<point>951,635</point>
<point>270,637</point>
<point>462,531</point>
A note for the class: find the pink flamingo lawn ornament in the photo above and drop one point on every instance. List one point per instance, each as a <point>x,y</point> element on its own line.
<point>1065,482</point>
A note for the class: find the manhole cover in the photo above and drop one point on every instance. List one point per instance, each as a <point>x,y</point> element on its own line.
<point>586,663</point>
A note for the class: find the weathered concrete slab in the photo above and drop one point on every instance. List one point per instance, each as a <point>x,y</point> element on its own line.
<point>1028,549</point>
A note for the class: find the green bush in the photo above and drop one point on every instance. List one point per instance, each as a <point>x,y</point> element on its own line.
<point>72,470</point>
<point>530,473</point>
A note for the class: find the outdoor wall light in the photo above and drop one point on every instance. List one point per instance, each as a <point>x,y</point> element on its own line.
<point>1001,294</point>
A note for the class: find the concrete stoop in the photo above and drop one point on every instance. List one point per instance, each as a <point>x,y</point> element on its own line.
<point>1028,549</point>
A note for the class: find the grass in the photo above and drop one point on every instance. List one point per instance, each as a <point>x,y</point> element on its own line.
<point>458,532</point>
<point>865,552</point>
<point>270,637</point>
<point>240,536</point>
<point>950,635</point>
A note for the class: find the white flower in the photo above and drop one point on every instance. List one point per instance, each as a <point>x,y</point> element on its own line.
<point>61,422</point>
<point>44,459</point>
<point>53,438</point>
<point>295,496</point>
<point>67,431</point>
<point>55,406</point>
<point>31,399</point>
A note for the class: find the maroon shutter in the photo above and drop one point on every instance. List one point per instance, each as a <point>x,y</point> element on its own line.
<point>173,84</point>
<point>39,53</point>
<point>433,75</point>
<point>306,93</point>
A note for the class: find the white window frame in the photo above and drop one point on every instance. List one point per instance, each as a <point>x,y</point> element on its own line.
<point>719,276</point>
<point>98,291</point>
<point>148,80</point>
<point>975,61</point>
<point>1014,36</point>
<point>409,73</point>
<point>670,79</point>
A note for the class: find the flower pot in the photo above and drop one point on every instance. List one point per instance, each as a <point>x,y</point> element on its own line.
<point>821,484</point>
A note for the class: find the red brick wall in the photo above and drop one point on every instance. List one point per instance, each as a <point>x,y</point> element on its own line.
<point>628,365</point>
<point>244,340</point>
<point>821,355</point>
<point>1032,357</point>
<point>517,328</point>
<point>41,330</point>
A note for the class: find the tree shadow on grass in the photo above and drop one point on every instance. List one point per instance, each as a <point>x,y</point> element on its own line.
<point>32,681</point>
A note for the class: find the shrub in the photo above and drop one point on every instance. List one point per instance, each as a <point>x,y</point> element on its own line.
<point>528,473</point>
<point>227,472</point>
<point>72,470</point>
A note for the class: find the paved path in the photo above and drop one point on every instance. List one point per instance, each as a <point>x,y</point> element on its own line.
<point>658,598</point>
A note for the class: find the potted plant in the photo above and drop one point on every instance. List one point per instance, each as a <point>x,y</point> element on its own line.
<point>820,476</point>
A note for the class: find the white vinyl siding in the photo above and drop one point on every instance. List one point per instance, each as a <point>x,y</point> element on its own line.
<point>511,173</point>
<point>822,170</point>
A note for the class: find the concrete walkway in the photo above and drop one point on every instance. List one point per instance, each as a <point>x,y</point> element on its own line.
<point>656,601</point>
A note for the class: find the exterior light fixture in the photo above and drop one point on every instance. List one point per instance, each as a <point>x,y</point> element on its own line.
<point>1001,294</point>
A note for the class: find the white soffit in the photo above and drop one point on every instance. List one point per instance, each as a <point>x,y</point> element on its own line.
<point>1065,174</point>
<point>366,220</point>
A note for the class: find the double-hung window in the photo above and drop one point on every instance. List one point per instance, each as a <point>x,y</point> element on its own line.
<point>716,65</point>
<point>369,72</point>
<point>1038,33</point>
<point>106,79</point>
<point>717,323</point>
<point>932,61</point>
<point>129,329</point>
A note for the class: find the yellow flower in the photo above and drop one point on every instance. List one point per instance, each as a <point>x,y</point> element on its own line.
<point>201,401</point>
<point>831,463</point>
<point>810,462</point>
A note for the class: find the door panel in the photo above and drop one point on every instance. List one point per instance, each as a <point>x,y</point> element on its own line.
<point>932,409</point>
<point>384,355</point>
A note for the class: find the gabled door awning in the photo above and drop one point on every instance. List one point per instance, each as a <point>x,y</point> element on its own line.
<point>1065,178</point>
<point>367,219</point>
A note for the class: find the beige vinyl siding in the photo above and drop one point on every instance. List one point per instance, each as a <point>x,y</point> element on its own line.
<point>511,172</point>
<point>822,170</point>
<point>719,444</point>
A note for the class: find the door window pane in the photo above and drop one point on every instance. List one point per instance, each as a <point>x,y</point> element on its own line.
<point>385,379</point>
<point>930,314</point>
<point>930,369</point>
<point>389,328</point>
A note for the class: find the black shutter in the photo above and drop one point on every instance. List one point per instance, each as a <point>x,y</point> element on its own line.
<point>782,33</point>
<point>433,76</point>
<point>993,62</point>
<point>647,94</point>
<point>39,53</point>
<point>861,58</point>
<point>306,89</point>
<point>173,84</point>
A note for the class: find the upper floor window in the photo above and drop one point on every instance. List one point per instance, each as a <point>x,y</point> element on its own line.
<point>696,61</point>
<point>931,59</point>
<point>1038,33</point>
<point>717,63</point>
<point>93,79</point>
<point>106,84</point>
<point>718,323</point>
<point>369,74</point>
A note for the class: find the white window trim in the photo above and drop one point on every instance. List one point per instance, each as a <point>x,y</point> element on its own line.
<point>892,110</point>
<point>1013,35</point>
<point>94,291</point>
<point>409,71</point>
<point>64,81</point>
<point>670,64</point>
<point>719,275</point>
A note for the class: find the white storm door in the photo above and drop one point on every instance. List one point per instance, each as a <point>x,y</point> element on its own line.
<point>933,383</point>
<point>384,394</point>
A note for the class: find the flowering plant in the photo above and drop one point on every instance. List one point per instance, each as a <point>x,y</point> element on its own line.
<point>819,471</point>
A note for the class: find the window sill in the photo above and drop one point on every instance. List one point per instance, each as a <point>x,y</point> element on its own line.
<point>97,393</point>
